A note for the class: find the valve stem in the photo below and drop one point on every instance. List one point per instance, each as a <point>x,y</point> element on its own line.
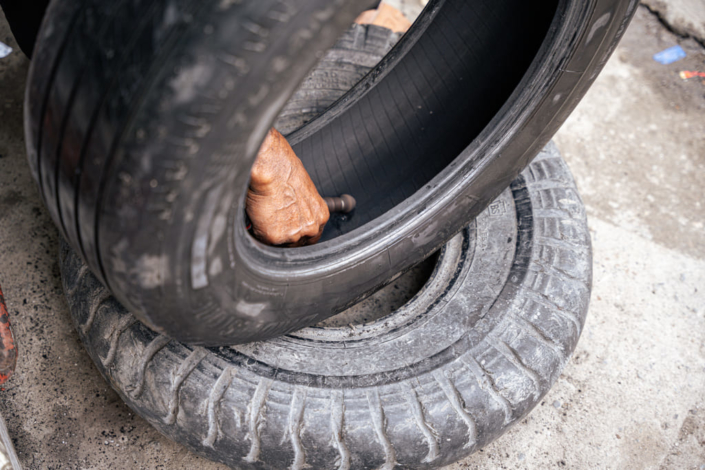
<point>344,204</point>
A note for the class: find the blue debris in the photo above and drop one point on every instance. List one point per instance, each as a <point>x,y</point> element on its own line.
<point>5,50</point>
<point>670,55</point>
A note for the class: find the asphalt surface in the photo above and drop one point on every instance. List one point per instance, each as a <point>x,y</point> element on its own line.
<point>633,396</point>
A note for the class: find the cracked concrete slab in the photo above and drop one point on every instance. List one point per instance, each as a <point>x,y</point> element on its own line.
<point>651,133</point>
<point>684,17</point>
<point>633,396</point>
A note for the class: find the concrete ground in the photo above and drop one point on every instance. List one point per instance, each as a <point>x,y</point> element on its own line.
<point>633,396</point>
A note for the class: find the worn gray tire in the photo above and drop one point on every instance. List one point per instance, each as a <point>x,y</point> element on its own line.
<point>472,353</point>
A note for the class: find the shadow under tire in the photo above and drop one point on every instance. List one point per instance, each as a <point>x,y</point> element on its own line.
<point>472,353</point>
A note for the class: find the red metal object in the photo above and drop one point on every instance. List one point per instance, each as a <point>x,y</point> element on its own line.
<point>686,74</point>
<point>8,350</point>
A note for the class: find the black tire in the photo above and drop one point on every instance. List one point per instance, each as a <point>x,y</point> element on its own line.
<point>120,107</point>
<point>472,353</point>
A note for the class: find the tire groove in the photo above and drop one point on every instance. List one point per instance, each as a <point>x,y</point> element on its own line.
<point>254,418</point>
<point>117,330</point>
<point>98,302</point>
<point>82,271</point>
<point>45,97</point>
<point>561,244</point>
<point>533,331</point>
<point>83,145</point>
<point>487,384</point>
<point>512,356</point>
<point>380,427</point>
<point>567,277</point>
<point>156,345</point>
<point>412,399</point>
<point>296,413</point>
<point>337,422</point>
<point>458,405</point>
<point>182,373</point>
<point>67,117</point>
<point>217,392</point>
<point>556,309</point>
